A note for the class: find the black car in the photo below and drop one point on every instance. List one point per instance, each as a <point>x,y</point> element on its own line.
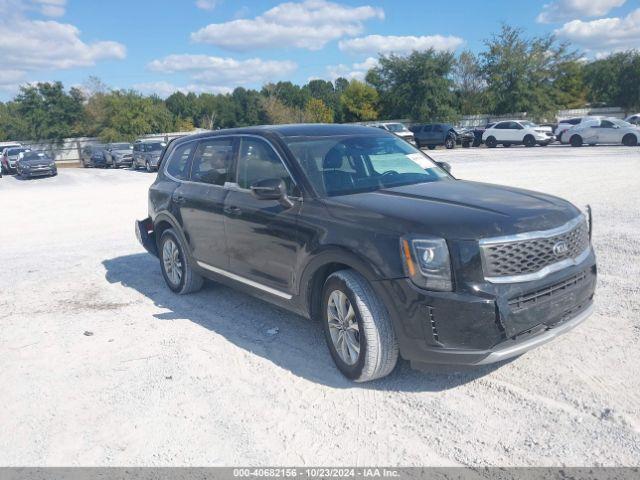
<point>94,156</point>
<point>434,134</point>
<point>478,132</point>
<point>119,155</point>
<point>35,164</point>
<point>354,227</point>
<point>464,136</point>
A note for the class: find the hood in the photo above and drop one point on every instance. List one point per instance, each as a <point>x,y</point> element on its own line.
<point>454,209</point>
<point>42,161</point>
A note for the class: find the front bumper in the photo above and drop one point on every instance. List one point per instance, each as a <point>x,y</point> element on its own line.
<point>488,323</point>
<point>39,173</point>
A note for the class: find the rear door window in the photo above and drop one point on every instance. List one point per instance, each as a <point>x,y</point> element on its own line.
<point>212,161</point>
<point>178,165</point>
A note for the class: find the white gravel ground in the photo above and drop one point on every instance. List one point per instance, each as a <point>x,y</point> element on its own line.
<point>198,380</point>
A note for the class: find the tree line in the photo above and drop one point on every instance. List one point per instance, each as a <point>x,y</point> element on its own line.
<point>513,73</point>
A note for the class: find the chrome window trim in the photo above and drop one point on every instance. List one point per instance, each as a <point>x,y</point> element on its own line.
<point>535,235</point>
<point>246,281</point>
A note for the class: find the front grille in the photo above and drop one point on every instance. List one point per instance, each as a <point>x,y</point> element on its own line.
<point>530,254</point>
<point>547,294</point>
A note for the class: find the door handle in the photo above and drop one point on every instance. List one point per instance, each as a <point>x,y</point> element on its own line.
<point>232,210</point>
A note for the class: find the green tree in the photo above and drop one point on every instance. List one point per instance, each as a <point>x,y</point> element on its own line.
<point>359,102</point>
<point>570,90</point>
<point>317,112</point>
<point>521,72</point>
<point>615,80</point>
<point>418,86</point>
<point>470,85</point>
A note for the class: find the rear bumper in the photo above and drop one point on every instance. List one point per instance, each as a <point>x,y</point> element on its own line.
<point>146,235</point>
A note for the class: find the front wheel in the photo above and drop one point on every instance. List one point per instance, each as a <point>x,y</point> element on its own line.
<point>357,328</point>
<point>529,141</point>
<point>576,141</point>
<point>177,272</point>
<point>491,142</point>
<point>148,166</point>
<point>450,142</point>
<point>630,140</point>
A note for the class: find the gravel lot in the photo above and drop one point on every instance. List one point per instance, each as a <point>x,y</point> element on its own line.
<point>101,365</point>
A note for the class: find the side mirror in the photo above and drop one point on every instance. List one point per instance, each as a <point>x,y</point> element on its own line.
<point>272,189</point>
<point>445,166</point>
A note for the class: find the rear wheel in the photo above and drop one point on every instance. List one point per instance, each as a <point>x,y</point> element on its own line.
<point>357,328</point>
<point>630,140</point>
<point>177,272</point>
<point>491,142</point>
<point>576,141</point>
<point>529,141</point>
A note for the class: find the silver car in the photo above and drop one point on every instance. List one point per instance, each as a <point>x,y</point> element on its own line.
<point>602,131</point>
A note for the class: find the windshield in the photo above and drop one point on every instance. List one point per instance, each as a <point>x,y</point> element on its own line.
<point>33,156</point>
<point>121,146</point>
<point>343,165</point>
<point>396,127</point>
<point>621,123</point>
<point>16,151</point>
<point>526,123</point>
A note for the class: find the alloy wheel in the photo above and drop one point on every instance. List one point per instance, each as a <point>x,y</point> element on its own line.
<point>172,262</point>
<point>343,327</point>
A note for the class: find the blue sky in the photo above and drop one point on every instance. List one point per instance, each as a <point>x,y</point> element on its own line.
<point>158,46</point>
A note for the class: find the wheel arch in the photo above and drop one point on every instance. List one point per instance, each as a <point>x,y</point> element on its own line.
<point>330,260</point>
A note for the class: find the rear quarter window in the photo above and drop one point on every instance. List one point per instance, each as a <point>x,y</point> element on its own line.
<point>178,164</point>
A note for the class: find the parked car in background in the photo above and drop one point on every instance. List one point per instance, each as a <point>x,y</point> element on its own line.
<point>566,124</point>
<point>464,136</point>
<point>517,132</point>
<point>602,131</point>
<point>398,129</point>
<point>119,155</point>
<point>36,164</point>
<point>478,132</point>
<point>94,156</point>
<point>633,119</point>
<point>146,154</point>
<point>355,228</point>
<point>433,135</point>
<point>4,146</point>
<point>10,157</point>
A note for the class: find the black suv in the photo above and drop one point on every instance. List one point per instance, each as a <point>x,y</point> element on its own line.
<point>354,227</point>
<point>435,134</point>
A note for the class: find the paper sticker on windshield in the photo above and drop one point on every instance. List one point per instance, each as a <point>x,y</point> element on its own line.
<point>420,160</point>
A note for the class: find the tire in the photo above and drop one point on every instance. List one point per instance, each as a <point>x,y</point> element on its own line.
<point>84,164</point>
<point>629,140</point>
<point>491,142</point>
<point>529,141</point>
<point>370,327</point>
<point>419,146</point>
<point>506,145</point>
<point>177,273</point>
<point>147,165</point>
<point>544,144</point>
<point>431,147</point>
<point>576,141</point>
<point>450,142</point>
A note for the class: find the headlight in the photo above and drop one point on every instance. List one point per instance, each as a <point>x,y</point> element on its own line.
<point>427,263</point>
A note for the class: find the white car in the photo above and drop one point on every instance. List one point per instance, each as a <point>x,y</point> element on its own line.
<point>397,128</point>
<point>517,132</point>
<point>566,124</point>
<point>633,119</point>
<point>606,130</point>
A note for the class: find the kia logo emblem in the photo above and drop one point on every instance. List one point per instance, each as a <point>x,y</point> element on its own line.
<point>560,248</point>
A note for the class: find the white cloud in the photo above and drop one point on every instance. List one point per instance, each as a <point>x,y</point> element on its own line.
<point>48,8</point>
<point>562,10</point>
<point>356,71</point>
<point>37,44</point>
<point>207,4</point>
<point>310,24</point>
<point>604,34</point>
<point>164,89</point>
<point>229,72</point>
<point>374,44</point>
